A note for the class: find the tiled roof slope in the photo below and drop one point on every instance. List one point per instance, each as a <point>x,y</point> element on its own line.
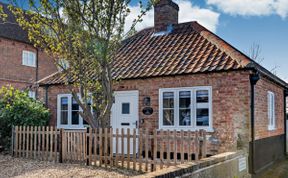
<point>10,29</point>
<point>188,49</point>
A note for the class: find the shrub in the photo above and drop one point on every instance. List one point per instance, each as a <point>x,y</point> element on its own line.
<point>17,108</point>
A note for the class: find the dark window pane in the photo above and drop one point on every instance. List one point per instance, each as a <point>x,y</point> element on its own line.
<point>64,103</point>
<point>185,99</point>
<point>202,96</point>
<point>168,100</point>
<point>85,123</point>
<point>89,102</point>
<point>75,118</point>
<point>202,117</point>
<point>64,117</point>
<point>125,108</point>
<point>75,105</point>
<point>168,117</point>
<point>185,117</point>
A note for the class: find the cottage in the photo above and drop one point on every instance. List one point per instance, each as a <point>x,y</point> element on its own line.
<point>182,76</point>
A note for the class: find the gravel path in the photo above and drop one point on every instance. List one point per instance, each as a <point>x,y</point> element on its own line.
<point>20,168</point>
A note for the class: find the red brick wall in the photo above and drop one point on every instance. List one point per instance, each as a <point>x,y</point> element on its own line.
<point>231,104</point>
<point>261,109</point>
<point>231,97</point>
<point>16,84</point>
<point>46,65</point>
<point>53,91</point>
<point>11,69</point>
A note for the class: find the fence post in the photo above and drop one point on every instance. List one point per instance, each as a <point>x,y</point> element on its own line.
<point>154,150</point>
<point>203,143</point>
<point>12,141</point>
<point>61,136</point>
<point>88,146</point>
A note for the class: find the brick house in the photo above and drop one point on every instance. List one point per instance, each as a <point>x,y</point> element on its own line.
<point>182,76</point>
<point>21,64</point>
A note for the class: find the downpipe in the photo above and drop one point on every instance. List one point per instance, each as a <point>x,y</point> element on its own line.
<point>254,78</point>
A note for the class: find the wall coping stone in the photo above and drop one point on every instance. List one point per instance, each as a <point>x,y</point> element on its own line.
<point>188,168</point>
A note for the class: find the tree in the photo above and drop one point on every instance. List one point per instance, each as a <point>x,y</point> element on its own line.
<point>87,34</point>
<point>16,108</point>
<point>255,54</point>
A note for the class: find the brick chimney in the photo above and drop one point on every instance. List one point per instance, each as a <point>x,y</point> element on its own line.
<point>165,14</point>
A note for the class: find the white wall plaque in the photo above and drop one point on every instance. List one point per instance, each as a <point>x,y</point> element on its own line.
<point>242,164</point>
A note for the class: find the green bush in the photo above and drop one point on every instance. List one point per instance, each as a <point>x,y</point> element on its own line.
<point>17,108</point>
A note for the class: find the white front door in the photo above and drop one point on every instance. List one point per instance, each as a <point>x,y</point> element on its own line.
<point>125,115</point>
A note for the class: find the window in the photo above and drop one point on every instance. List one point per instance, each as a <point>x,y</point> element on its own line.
<point>29,58</point>
<point>202,108</point>
<point>64,111</point>
<point>125,108</point>
<point>75,112</point>
<point>271,111</point>
<point>62,64</point>
<point>168,108</point>
<point>32,94</point>
<point>68,116</point>
<point>185,108</point>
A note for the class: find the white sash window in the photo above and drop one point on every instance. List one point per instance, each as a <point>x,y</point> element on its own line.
<point>271,111</point>
<point>68,116</point>
<point>185,108</point>
<point>29,58</point>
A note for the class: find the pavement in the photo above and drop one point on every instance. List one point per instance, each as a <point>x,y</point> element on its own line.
<point>279,170</point>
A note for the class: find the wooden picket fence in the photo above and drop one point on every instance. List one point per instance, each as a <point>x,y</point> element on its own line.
<point>137,149</point>
<point>36,142</point>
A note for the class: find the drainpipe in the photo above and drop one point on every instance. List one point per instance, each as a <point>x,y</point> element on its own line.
<point>285,94</point>
<point>37,72</point>
<point>254,78</point>
<point>46,95</point>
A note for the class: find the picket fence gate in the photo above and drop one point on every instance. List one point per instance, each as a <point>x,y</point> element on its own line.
<point>137,149</point>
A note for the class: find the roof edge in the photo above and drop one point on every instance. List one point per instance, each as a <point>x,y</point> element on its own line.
<point>236,54</point>
<point>39,82</point>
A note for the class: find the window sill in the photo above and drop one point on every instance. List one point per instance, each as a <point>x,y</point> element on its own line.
<point>210,130</point>
<point>271,128</point>
<point>71,127</point>
<point>29,65</point>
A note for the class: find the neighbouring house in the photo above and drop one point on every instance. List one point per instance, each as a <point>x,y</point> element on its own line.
<point>182,76</point>
<point>21,64</point>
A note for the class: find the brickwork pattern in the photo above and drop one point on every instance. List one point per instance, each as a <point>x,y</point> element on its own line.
<point>261,109</point>
<point>11,69</point>
<point>230,95</point>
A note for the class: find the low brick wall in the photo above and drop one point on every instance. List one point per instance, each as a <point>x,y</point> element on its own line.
<point>225,165</point>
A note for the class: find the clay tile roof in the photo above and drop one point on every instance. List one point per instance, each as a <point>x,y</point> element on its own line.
<point>10,28</point>
<point>188,49</point>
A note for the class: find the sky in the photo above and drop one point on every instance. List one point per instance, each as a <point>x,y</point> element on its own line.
<point>241,23</point>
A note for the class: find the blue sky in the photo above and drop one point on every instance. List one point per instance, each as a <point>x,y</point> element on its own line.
<point>240,23</point>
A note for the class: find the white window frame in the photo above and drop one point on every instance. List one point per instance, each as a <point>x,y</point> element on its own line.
<point>271,110</point>
<point>69,125</point>
<point>63,64</point>
<point>25,61</point>
<point>32,94</point>
<point>193,113</point>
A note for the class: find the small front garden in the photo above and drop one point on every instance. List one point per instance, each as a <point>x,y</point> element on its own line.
<point>17,108</point>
